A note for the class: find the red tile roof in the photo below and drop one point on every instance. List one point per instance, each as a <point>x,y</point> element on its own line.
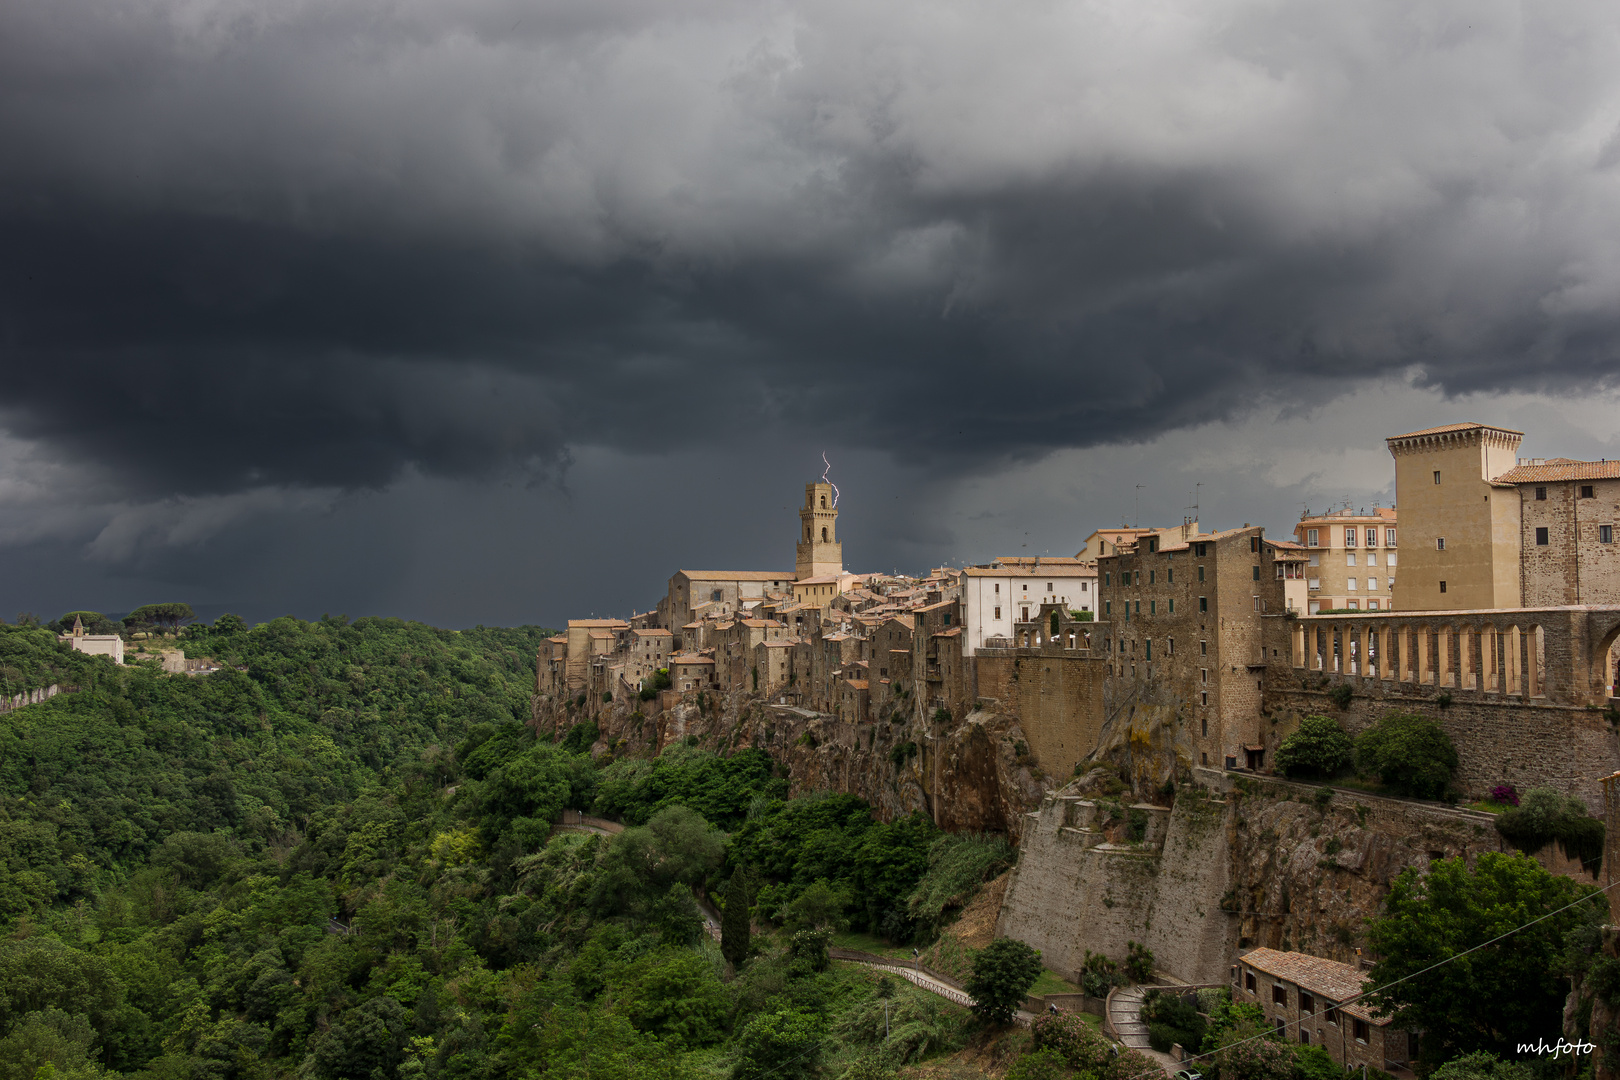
<point>1554,471</point>
<point>1468,425</point>
<point>1325,978</point>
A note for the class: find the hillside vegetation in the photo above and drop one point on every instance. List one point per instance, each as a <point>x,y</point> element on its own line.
<point>333,859</point>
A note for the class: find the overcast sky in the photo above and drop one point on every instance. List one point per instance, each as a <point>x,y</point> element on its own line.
<point>488,311</point>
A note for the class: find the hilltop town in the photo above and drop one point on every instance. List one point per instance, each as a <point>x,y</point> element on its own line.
<point>1119,712</point>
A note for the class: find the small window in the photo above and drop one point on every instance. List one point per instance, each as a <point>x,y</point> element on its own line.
<point>1541,538</point>
<point>1363,1032</point>
<point>1437,476</point>
<point>1203,677</point>
<point>1389,537</point>
<point>1331,1016</point>
<point>1257,573</point>
<point>1153,607</point>
<point>998,587</point>
<point>1048,586</point>
<point>1541,494</point>
<point>1139,577</point>
<point>1349,558</point>
<point>1206,735</point>
<point>1439,543</point>
<point>1586,491</point>
<point>1442,586</point>
<point>1350,538</point>
<point>1148,646</point>
<point>1200,573</point>
<point>1307,1004</point>
<point>1204,700</point>
<point>1108,607</point>
<point>1248,981</point>
<point>1605,534</point>
<point>1254,545</point>
<point>1203,648</point>
<point>1350,584</point>
<point>1311,538</point>
<point>1279,995</point>
<point>1372,537</point>
<point>1153,578</point>
<point>998,614</point>
<point>1169,646</point>
<point>1173,603</point>
<point>1203,603</point>
<point>1170,575</point>
<point>1198,549</point>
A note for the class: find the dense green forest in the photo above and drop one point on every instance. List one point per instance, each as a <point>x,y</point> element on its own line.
<point>333,858</point>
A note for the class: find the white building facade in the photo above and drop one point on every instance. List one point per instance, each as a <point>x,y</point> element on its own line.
<point>995,597</point>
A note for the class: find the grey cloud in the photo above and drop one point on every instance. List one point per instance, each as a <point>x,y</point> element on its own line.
<point>324,245</point>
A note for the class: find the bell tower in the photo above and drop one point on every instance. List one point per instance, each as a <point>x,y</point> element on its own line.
<point>819,552</point>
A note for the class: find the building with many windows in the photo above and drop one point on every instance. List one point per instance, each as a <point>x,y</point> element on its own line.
<point>1315,1001</point>
<point>997,597</point>
<point>1352,559</point>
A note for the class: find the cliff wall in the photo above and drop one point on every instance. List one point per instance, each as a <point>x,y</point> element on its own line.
<point>1241,864</point>
<point>975,774</point>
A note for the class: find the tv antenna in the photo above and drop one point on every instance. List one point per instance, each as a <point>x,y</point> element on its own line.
<point>1194,507</point>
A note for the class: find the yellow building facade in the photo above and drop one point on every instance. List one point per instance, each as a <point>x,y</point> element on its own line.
<point>1459,523</point>
<point>1352,559</point>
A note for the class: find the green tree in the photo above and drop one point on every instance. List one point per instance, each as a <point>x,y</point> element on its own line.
<point>820,905</point>
<point>1486,999</point>
<point>1546,814</point>
<point>1003,972</point>
<point>674,995</point>
<point>50,1044</point>
<point>170,616</point>
<point>1318,748</point>
<point>735,920</point>
<point>779,1045</point>
<point>1482,1065</point>
<point>1408,752</point>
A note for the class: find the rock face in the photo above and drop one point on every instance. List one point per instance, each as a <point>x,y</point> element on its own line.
<point>971,775</point>
<point>1236,865</point>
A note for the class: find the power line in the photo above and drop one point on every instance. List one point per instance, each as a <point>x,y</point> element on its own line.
<point>1352,1000</point>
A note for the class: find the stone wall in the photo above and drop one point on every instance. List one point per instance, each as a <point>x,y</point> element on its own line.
<point>1525,744</point>
<point>1243,863</point>
<point>1073,891</point>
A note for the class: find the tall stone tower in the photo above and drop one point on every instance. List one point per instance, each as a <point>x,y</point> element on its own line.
<point>819,552</point>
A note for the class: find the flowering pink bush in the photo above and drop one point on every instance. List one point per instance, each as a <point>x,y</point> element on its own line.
<point>1505,794</point>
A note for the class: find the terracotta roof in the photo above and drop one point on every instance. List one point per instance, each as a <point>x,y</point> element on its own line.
<point>858,684</point>
<point>738,575</point>
<point>1070,569</point>
<point>756,623</point>
<point>1036,560</point>
<point>776,644</point>
<point>1443,428</point>
<point>952,632</point>
<point>1317,975</point>
<point>687,659</point>
<point>560,639</point>
<point>610,623</point>
<point>1555,471</point>
<point>825,579</point>
<point>935,607</point>
<point>655,633</point>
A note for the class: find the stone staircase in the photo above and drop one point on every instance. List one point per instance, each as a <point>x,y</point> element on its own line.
<point>1124,1008</point>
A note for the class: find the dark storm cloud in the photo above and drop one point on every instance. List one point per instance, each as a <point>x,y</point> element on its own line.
<point>317,245</point>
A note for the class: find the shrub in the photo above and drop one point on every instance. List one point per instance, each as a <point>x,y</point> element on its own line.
<point>1340,695</point>
<point>1138,962</point>
<point>1086,1049</point>
<point>1319,748</point>
<point>1409,753</point>
<point>1003,972</point>
<point>1045,1064</point>
<point>1481,1065</point>
<point>780,1045</point>
<point>1171,1019</point>
<point>958,863</point>
<point>1098,975</point>
<point>1315,1063</point>
<point>1506,794</point>
<point>1546,815</point>
<point>919,1023</point>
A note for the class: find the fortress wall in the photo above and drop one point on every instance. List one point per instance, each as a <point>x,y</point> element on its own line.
<point>1517,742</point>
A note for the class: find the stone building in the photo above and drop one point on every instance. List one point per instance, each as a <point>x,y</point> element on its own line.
<point>732,592</point>
<point>1310,1000</point>
<point>691,672</point>
<point>108,645</point>
<point>1461,526</point>
<point>1185,624</point>
<point>649,650</point>
<point>1568,512</point>
<point>1352,559</point>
